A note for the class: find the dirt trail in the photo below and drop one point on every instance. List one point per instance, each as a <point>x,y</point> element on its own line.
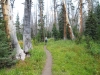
<point>48,65</point>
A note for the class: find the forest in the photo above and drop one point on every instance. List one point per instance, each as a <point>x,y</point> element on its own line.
<point>54,37</point>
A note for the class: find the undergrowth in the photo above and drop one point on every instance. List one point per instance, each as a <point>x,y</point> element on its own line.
<point>31,66</point>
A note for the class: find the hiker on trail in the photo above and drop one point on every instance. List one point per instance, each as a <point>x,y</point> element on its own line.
<point>46,40</point>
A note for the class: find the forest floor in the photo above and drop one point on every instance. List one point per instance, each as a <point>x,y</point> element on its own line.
<point>48,65</point>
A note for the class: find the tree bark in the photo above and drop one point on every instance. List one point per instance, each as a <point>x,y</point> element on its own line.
<point>54,11</point>
<point>65,31</point>
<point>19,52</point>
<point>67,22</point>
<point>11,30</point>
<point>80,19</point>
<point>27,45</point>
<point>36,21</point>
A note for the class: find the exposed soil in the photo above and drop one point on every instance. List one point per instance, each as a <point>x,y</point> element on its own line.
<point>48,65</point>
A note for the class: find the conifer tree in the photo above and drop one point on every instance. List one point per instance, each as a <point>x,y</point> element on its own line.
<point>61,23</point>
<point>7,55</point>
<point>55,32</point>
<point>19,35</point>
<point>97,13</point>
<point>91,26</point>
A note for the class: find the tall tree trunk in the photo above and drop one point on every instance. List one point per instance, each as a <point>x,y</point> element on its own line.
<point>65,31</point>
<point>27,45</point>
<point>11,30</point>
<point>80,19</point>
<point>67,22</point>
<point>5,7</point>
<point>54,11</point>
<point>32,26</point>
<point>42,24</point>
<point>36,21</point>
<point>41,7</point>
<point>20,53</point>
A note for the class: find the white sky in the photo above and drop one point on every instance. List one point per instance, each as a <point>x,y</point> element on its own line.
<point>19,7</point>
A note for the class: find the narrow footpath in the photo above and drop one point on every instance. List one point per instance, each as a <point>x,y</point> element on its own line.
<point>48,65</point>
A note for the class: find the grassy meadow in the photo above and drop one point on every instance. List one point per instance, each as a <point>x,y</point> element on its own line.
<point>70,58</point>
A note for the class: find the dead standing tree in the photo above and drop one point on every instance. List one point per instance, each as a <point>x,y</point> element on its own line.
<point>80,18</point>
<point>10,28</point>
<point>27,45</point>
<point>54,12</point>
<point>67,23</point>
<point>41,20</point>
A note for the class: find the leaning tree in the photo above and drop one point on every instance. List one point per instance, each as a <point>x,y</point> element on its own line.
<point>66,22</point>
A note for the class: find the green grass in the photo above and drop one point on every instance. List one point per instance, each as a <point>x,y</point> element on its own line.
<point>72,59</point>
<point>68,59</point>
<point>31,66</point>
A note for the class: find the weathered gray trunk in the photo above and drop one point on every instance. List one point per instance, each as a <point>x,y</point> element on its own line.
<point>32,27</point>
<point>27,45</point>
<point>19,52</point>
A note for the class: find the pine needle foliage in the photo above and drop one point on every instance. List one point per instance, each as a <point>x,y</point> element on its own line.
<point>55,32</point>
<point>97,13</point>
<point>7,54</point>
<point>91,26</point>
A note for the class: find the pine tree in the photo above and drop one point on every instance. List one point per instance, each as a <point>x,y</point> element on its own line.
<point>91,26</point>
<point>7,55</point>
<point>97,13</point>
<point>19,35</point>
<point>17,23</point>
<point>61,23</point>
<point>55,32</point>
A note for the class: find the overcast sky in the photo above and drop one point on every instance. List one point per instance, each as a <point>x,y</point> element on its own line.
<point>19,7</point>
